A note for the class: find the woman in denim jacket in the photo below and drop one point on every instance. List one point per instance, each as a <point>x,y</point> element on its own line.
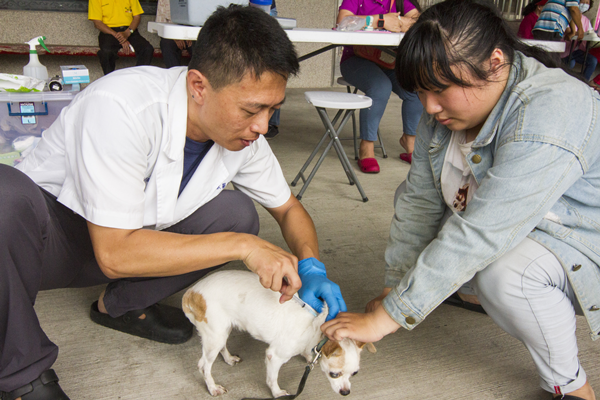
<point>503,193</point>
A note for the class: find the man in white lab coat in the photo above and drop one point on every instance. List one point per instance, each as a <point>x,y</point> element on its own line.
<point>127,188</point>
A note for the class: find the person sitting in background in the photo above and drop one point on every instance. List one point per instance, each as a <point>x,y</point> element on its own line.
<point>171,49</point>
<point>554,19</point>
<point>579,54</point>
<point>531,12</point>
<point>117,21</point>
<point>378,82</point>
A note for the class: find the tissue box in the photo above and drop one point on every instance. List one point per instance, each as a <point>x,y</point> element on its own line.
<point>75,74</point>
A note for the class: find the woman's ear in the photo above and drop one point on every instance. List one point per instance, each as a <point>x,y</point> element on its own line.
<point>497,61</point>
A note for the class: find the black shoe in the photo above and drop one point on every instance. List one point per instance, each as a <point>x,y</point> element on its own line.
<point>45,387</point>
<point>456,301</point>
<point>164,324</point>
<point>272,132</point>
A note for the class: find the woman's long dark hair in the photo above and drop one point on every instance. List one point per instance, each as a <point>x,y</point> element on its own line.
<point>457,33</point>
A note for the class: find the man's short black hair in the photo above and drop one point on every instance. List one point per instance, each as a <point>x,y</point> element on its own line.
<point>237,40</point>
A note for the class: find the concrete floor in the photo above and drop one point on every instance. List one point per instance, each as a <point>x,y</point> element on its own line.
<point>453,354</point>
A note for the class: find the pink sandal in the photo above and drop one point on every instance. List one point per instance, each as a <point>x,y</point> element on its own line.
<point>368,165</point>
<point>406,157</point>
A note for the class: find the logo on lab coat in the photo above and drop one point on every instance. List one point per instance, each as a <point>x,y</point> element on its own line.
<point>222,186</point>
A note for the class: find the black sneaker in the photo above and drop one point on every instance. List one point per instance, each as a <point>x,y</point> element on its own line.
<point>43,388</point>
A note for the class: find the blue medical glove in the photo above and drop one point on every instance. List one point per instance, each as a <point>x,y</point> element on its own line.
<point>316,288</point>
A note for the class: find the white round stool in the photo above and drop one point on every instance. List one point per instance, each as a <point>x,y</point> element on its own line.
<point>346,104</point>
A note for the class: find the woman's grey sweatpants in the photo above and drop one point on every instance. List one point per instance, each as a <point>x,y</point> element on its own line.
<point>44,245</point>
<point>527,293</point>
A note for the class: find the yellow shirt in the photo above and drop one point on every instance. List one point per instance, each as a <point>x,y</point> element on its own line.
<point>114,12</point>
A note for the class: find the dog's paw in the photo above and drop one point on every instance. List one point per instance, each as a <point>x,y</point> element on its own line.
<point>217,390</point>
<point>232,360</point>
<point>280,393</point>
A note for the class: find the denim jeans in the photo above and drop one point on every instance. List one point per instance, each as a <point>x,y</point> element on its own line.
<point>579,56</point>
<point>378,83</point>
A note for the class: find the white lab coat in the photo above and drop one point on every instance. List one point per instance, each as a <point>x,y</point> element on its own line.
<point>115,155</point>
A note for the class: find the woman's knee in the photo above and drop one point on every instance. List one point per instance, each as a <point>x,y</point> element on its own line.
<point>528,272</point>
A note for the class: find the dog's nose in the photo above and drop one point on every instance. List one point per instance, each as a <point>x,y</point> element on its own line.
<point>344,392</point>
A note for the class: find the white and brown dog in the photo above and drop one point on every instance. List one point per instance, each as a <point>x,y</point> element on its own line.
<point>236,299</point>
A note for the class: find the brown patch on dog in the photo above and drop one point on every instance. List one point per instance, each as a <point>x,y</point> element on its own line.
<point>334,352</point>
<point>194,303</point>
<point>370,346</point>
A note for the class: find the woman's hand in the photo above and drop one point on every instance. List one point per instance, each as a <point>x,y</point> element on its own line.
<point>370,327</point>
<point>376,302</point>
<point>392,23</point>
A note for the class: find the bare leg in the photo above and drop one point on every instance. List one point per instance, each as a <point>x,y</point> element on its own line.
<point>407,142</point>
<point>367,149</point>
<point>585,392</point>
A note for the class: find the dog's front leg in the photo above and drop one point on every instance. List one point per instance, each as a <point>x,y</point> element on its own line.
<point>274,362</point>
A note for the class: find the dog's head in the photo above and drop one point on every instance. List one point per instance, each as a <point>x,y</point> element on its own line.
<point>340,360</point>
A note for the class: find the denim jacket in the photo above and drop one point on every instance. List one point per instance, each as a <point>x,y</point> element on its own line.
<point>536,160</point>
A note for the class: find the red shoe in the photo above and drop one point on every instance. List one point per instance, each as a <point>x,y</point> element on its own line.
<point>368,165</point>
<point>406,157</point>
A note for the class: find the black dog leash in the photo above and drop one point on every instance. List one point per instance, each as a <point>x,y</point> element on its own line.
<point>317,351</point>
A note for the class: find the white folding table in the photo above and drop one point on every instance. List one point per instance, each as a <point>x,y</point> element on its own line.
<point>330,37</point>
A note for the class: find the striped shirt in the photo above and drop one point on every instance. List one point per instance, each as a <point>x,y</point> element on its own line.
<point>555,16</point>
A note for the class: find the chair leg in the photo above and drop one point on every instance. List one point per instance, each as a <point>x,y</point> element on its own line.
<point>314,171</point>
<point>381,146</point>
<point>300,175</point>
<point>354,131</point>
<point>340,150</point>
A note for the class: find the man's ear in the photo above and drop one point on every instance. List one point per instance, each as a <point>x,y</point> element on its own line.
<point>197,86</point>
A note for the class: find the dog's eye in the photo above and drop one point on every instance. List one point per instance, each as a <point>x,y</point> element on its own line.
<point>356,372</point>
<point>335,375</point>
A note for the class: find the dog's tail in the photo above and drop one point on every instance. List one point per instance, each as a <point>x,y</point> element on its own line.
<point>194,306</point>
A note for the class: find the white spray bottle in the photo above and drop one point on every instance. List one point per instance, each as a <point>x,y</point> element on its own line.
<point>35,69</point>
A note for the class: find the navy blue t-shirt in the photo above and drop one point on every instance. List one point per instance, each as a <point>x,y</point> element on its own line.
<point>193,154</point>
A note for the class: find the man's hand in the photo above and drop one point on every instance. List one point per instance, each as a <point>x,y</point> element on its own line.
<point>316,287</point>
<point>276,268</point>
<point>183,44</point>
<point>370,327</point>
<point>126,48</point>
<point>580,34</point>
<point>376,302</point>
<point>119,36</point>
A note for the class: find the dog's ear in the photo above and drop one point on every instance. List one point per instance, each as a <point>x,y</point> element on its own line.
<point>331,348</point>
<point>370,346</point>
